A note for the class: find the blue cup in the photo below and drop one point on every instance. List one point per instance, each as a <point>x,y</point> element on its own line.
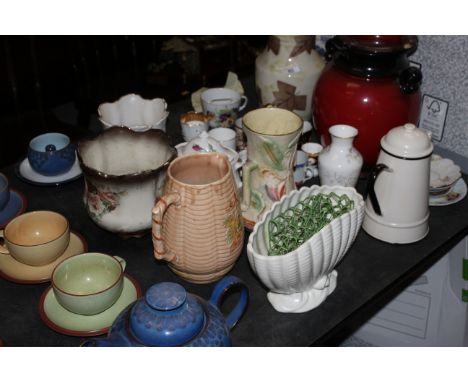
<point>4,191</point>
<point>51,154</point>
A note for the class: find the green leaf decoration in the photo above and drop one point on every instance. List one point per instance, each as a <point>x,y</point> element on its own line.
<point>256,201</point>
<point>274,154</point>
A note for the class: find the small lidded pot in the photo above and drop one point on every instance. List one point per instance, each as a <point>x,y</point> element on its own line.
<point>51,154</point>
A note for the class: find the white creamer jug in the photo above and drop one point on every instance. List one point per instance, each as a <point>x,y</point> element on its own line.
<point>397,206</point>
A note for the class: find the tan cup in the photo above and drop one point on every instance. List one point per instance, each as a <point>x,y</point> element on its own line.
<point>197,223</point>
<point>36,238</point>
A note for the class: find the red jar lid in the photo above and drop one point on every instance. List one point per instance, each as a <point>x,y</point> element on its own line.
<point>371,55</point>
<point>382,43</point>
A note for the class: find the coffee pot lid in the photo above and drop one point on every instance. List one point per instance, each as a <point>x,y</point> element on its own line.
<point>407,141</point>
<point>166,316</point>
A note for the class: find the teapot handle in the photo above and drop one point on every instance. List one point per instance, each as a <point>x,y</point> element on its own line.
<point>221,288</point>
<point>376,170</point>
<point>158,212</point>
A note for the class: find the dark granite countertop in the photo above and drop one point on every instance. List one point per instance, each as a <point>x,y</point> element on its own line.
<point>370,274</point>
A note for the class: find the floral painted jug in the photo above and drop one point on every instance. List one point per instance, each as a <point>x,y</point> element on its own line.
<point>286,73</point>
<point>272,136</point>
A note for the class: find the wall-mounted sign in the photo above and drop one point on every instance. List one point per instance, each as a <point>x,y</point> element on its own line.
<point>433,116</point>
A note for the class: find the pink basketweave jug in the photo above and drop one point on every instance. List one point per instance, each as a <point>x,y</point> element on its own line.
<point>197,223</point>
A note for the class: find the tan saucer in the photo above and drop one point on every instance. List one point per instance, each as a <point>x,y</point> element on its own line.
<point>13,270</point>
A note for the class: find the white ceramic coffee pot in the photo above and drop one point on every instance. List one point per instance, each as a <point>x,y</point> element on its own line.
<point>397,206</point>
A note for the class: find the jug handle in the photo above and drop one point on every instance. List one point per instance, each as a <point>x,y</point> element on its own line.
<point>247,169</point>
<point>376,170</point>
<point>221,288</point>
<point>158,212</point>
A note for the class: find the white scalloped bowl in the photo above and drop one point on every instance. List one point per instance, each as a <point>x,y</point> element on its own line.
<point>302,279</point>
<point>444,174</point>
<point>134,112</point>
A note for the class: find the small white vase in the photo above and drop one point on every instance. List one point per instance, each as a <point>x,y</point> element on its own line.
<point>340,163</point>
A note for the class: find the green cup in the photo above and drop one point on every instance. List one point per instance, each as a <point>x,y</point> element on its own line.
<point>88,283</point>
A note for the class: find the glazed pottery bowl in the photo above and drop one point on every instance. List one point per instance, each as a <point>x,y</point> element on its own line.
<point>51,154</point>
<point>302,279</point>
<point>134,112</point>
<point>88,283</point>
<point>444,174</point>
<point>124,174</point>
<point>4,191</point>
<point>36,238</point>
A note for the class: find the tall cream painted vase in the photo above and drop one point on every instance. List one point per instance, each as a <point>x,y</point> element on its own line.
<point>272,136</point>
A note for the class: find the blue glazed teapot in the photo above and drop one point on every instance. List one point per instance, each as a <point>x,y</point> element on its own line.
<point>169,316</point>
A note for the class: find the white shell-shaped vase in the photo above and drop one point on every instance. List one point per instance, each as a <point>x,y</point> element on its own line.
<point>302,279</point>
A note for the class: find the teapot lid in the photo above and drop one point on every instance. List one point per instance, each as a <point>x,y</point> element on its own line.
<point>408,142</point>
<point>166,316</point>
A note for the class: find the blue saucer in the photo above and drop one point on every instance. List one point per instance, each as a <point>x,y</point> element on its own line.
<point>16,206</point>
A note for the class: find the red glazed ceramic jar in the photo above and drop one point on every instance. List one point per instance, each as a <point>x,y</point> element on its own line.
<point>368,84</point>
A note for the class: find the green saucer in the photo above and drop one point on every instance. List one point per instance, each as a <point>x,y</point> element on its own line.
<point>63,321</point>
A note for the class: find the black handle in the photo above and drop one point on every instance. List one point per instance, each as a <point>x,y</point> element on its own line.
<point>376,170</point>
<point>332,45</point>
<point>410,80</point>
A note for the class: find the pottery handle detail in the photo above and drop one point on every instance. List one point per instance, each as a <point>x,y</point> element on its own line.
<point>243,104</point>
<point>376,170</point>
<point>221,288</point>
<point>3,247</point>
<point>158,212</point>
<point>246,171</point>
<point>410,80</point>
<point>122,261</point>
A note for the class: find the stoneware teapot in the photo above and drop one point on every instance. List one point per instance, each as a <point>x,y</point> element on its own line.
<point>169,316</point>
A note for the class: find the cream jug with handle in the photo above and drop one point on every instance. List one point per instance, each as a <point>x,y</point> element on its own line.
<point>272,136</point>
<point>397,206</point>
